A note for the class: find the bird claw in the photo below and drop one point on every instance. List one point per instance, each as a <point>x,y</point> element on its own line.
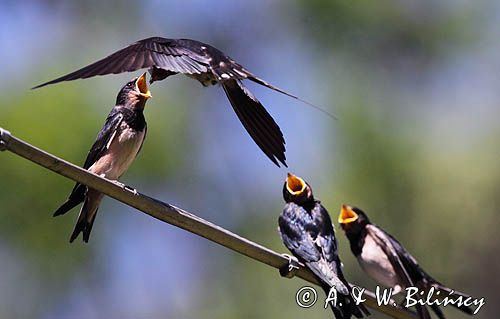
<point>126,187</point>
<point>288,270</point>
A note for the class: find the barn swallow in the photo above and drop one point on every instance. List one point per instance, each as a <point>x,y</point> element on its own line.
<point>115,148</point>
<point>200,61</point>
<point>384,259</point>
<point>307,231</point>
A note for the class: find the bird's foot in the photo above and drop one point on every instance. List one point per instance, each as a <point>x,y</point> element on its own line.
<point>288,270</point>
<point>126,187</point>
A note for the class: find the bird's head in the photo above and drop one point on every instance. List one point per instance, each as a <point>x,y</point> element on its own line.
<point>135,93</point>
<point>352,219</point>
<point>296,190</point>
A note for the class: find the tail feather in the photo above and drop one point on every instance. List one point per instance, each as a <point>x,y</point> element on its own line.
<point>86,231</point>
<point>87,216</point>
<point>438,311</point>
<point>342,312</point>
<point>75,198</point>
<point>272,87</point>
<point>66,207</point>
<point>79,227</point>
<point>346,307</point>
<point>449,291</point>
<point>83,226</point>
<point>423,312</point>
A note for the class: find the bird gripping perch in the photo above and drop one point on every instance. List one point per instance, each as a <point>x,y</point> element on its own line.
<point>173,215</point>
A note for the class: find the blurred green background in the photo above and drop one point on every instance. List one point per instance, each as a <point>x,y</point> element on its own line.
<point>413,83</point>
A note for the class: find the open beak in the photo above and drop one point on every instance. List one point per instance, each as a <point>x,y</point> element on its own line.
<point>294,184</point>
<point>142,86</point>
<point>347,215</point>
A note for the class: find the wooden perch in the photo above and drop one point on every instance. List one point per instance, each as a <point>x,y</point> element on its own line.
<point>172,215</point>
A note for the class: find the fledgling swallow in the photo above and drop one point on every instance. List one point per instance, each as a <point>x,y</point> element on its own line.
<point>307,231</point>
<point>200,61</point>
<point>115,148</point>
<point>384,259</point>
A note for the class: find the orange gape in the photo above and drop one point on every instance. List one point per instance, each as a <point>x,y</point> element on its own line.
<point>295,184</point>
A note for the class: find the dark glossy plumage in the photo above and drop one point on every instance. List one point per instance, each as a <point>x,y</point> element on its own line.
<point>307,231</point>
<point>166,57</point>
<point>114,149</point>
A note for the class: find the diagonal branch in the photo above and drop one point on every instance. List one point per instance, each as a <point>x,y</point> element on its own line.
<point>172,215</point>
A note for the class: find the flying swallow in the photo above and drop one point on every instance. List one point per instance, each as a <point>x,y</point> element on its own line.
<point>384,259</point>
<point>307,231</point>
<point>200,61</point>
<point>115,148</point>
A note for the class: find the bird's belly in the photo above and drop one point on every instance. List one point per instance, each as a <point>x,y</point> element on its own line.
<point>121,152</point>
<point>376,264</point>
<point>206,79</point>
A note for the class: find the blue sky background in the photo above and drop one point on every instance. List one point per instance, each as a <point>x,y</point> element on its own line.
<point>415,145</point>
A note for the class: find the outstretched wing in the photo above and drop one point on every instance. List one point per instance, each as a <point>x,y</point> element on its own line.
<point>256,120</point>
<point>174,56</point>
<point>164,53</point>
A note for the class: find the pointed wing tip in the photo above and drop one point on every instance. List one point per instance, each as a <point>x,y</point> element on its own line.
<point>284,163</point>
<point>277,159</point>
<point>37,87</point>
<point>43,84</point>
<point>50,82</point>
<point>278,162</point>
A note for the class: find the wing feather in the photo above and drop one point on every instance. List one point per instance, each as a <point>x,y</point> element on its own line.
<point>104,137</point>
<point>103,140</point>
<point>403,263</point>
<point>295,236</point>
<point>139,55</point>
<point>257,121</point>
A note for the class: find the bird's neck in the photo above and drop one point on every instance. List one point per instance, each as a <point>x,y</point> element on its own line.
<point>356,241</point>
<point>134,117</point>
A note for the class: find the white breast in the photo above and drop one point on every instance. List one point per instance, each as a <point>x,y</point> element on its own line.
<point>122,150</point>
<point>375,263</point>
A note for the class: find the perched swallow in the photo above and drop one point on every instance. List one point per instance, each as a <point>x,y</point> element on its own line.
<point>384,259</point>
<point>307,231</point>
<point>165,57</point>
<point>115,148</point>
